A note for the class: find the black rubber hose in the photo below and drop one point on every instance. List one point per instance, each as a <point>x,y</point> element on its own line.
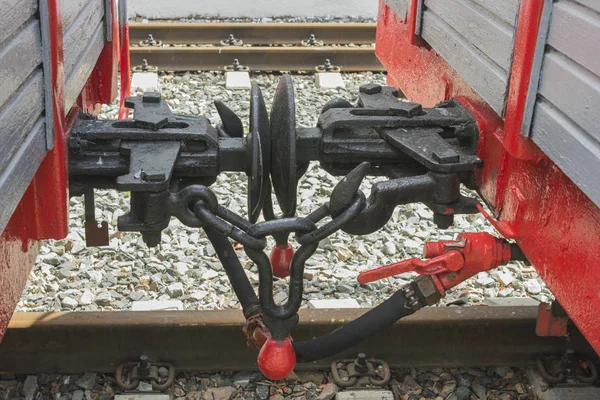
<point>235,272</point>
<point>351,334</point>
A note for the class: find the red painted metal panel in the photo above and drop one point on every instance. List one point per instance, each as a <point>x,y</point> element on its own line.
<point>49,209</point>
<point>17,255</point>
<point>557,226</point>
<point>42,213</point>
<point>125,70</point>
<point>102,85</point>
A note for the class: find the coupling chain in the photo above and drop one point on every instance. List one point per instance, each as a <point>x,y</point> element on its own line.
<point>253,236</point>
<point>208,213</point>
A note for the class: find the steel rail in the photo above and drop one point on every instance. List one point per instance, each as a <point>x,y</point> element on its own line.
<point>212,340</point>
<point>256,58</point>
<point>255,34</point>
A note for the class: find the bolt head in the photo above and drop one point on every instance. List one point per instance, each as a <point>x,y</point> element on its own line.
<point>370,88</point>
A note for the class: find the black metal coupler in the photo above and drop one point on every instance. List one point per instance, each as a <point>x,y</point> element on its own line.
<point>426,152</point>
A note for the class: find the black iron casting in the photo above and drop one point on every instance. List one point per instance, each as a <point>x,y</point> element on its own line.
<point>168,162</point>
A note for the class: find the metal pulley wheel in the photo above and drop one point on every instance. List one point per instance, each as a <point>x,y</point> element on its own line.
<point>259,142</point>
<point>283,146</point>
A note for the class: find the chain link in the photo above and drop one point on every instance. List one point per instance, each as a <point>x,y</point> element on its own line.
<point>208,213</point>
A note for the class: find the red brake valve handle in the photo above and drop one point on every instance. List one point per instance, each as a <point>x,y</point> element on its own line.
<point>451,261</point>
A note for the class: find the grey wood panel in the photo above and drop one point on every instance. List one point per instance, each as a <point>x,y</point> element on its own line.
<point>593,4</point>
<point>575,31</point>
<point>15,178</point>
<point>77,39</point>
<point>507,10</point>
<point>483,75</point>
<point>82,70</point>
<point>400,7</point>
<point>18,58</point>
<point>19,115</point>
<point>13,15</point>
<point>570,147</point>
<point>484,30</point>
<point>573,90</point>
<point>70,10</point>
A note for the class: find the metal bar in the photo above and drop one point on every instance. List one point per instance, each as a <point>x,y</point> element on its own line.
<point>256,34</point>
<point>256,58</point>
<point>213,340</point>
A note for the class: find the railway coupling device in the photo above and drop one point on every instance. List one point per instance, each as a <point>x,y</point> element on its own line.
<point>168,162</point>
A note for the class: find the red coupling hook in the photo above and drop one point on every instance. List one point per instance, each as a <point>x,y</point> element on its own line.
<point>277,359</point>
<point>281,258</point>
<point>256,332</point>
<point>450,261</point>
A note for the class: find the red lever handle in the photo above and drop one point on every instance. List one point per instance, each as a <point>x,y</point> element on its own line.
<point>450,261</point>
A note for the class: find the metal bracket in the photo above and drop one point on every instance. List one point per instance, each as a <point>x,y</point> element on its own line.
<point>47,68</point>
<point>552,320</point>
<point>236,66</point>
<point>361,371</point>
<point>232,41</point>
<point>144,67</point>
<point>536,69</point>
<point>95,235</point>
<point>419,18</point>
<point>150,167</point>
<point>150,42</point>
<point>129,375</point>
<point>312,41</point>
<point>328,67</point>
<point>427,146</point>
<point>108,21</point>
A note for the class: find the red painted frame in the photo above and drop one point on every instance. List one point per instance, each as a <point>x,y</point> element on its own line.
<point>42,212</point>
<point>557,226</point>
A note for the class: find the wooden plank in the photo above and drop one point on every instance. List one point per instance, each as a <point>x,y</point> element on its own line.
<point>70,10</point>
<point>400,7</point>
<point>77,39</point>
<point>483,30</point>
<point>84,67</point>
<point>575,31</point>
<point>593,4</point>
<point>507,10</point>
<point>572,89</point>
<point>19,115</point>
<point>484,76</point>
<point>575,152</point>
<point>18,59</point>
<point>15,178</point>
<point>13,15</point>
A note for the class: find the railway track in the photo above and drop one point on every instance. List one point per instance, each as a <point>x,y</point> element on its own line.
<point>212,340</point>
<point>260,47</point>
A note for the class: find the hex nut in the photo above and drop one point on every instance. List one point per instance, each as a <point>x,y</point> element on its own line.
<point>428,290</point>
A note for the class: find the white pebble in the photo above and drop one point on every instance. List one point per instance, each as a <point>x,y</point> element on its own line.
<point>532,286</point>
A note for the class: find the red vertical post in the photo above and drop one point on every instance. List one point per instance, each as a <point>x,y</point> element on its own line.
<point>48,218</point>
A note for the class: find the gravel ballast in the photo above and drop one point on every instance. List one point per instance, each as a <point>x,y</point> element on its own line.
<point>406,384</point>
<point>70,277</point>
